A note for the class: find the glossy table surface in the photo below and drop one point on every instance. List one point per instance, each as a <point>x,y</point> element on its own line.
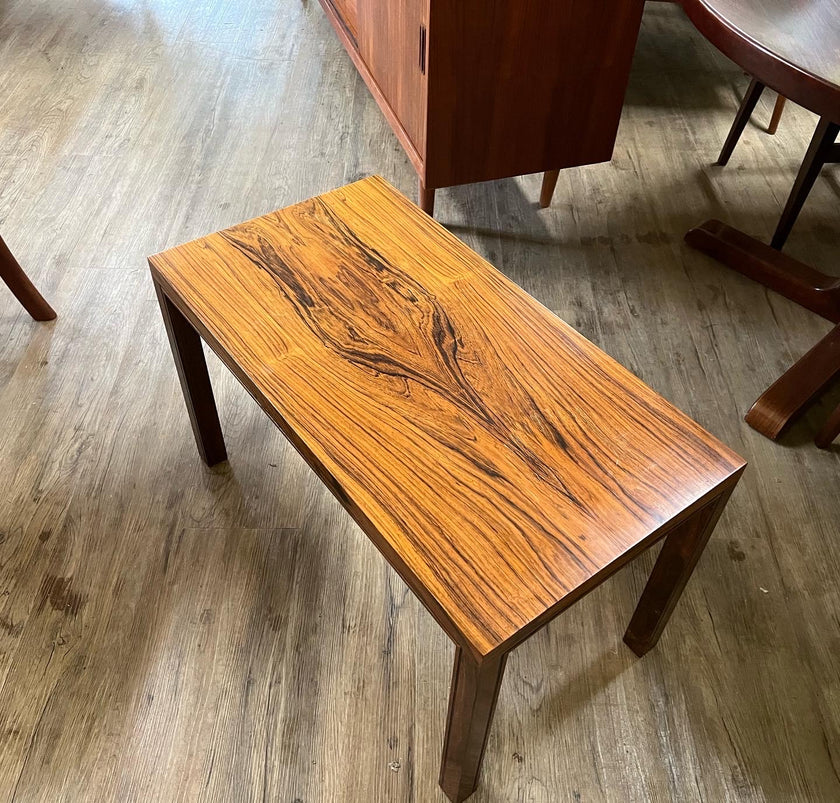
<point>792,46</point>
<point>502,463</point>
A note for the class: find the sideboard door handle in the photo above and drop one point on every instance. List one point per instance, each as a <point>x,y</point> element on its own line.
<point>423,49</point>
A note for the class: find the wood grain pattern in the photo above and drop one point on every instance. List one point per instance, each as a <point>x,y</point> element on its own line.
<point>396,359</point>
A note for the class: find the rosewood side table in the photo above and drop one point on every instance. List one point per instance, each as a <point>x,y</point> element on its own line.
<point>501,463</point>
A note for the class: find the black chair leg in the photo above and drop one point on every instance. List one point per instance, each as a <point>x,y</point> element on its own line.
<point>741,119</point>
<point>821,150</point>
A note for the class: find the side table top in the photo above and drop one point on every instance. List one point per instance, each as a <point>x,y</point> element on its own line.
<point>501,462</point>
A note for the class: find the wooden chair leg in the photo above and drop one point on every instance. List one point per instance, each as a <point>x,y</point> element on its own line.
<point>830,430</point>
<point>195,381</point>
<point>777,114</point>
<point>672,570</point>
<point>549,183</point>
<point>472,702</point>
<point>22,288</point>
<point>427,199</point>
<point>751,97</point>
<point>820,151</point>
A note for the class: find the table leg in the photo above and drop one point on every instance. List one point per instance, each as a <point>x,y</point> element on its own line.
<point>745,111</point>
<point>777,114</point>
<point>472,701</point>
<point>677,559</point>
<point>22,288</point>
<point>549,182</point>
<point>794,389</point>
<point>195,381</point>
<point>820,151</point>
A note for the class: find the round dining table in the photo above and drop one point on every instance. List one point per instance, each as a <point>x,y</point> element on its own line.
<point>793,47</point>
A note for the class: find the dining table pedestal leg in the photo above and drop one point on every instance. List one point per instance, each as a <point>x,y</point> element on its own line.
<point>808,287</point>
<point>791,393</point>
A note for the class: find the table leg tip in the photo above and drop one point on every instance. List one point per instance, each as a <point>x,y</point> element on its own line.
<point>639,647</point>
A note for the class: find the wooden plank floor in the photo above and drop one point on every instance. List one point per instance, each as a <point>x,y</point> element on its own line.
<point>172,633</point>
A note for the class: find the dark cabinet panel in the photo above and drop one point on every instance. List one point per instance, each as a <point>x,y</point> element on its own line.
<point>484,89</point>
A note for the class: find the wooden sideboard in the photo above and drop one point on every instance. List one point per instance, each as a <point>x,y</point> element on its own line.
<point>478,90</point>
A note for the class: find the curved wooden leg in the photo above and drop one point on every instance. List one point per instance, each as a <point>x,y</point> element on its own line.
<point>754,91</point>
<point>820,151</point>
<point>23,289</point>
<point>777,114</point>
<point>549,183</point>
<point>472,703</point>
<point>427,199</point>
<point>788,396</point>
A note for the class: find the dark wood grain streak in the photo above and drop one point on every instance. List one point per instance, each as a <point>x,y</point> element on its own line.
<point>366,330</point>
<point>22,288</point>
